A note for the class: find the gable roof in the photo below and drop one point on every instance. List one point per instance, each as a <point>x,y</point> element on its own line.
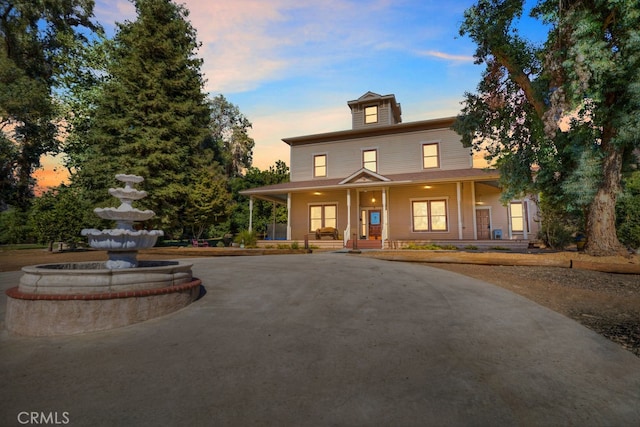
<point>364,175</point>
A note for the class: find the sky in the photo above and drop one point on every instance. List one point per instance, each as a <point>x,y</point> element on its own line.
<point>291,65</point>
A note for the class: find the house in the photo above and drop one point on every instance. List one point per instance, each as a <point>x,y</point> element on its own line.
<point>389,183</point>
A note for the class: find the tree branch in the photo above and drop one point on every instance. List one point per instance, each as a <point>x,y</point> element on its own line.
<point>522,80</point>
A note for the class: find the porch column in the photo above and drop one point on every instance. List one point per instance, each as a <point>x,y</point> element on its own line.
<point>250,213</point>
<point>525,218</point>
<point>459,197</point>
<point>347,232</point>
<point>288,216</point>
<point>385,223</point>
<point>473,209</point>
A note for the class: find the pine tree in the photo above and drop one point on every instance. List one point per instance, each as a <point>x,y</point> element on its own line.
<point>152,116</point>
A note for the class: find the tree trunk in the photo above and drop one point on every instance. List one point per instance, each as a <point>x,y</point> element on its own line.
<point>602,239</point>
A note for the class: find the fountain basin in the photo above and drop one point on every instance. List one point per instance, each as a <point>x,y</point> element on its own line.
<point>66,299</point>
<point>94,278</point>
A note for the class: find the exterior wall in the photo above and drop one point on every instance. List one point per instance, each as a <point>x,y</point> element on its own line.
<point>399,208</point>
<point>400,212</point>
<point>300,203</point>
<point>396,154</point>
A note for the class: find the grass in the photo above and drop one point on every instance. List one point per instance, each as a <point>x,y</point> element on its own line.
<point>20,246</point>
<point>430,247</point>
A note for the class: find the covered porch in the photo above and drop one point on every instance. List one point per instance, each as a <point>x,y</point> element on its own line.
<point>395,211</point>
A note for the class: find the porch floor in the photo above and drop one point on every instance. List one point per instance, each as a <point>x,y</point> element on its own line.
<point>507,245</point>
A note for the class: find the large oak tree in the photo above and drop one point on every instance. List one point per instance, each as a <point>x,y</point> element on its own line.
<point>36,40</point>
<point>588,73</point>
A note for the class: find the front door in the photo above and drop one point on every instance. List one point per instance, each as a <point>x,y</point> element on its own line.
<point>483,225</point>
<point>375,225</point>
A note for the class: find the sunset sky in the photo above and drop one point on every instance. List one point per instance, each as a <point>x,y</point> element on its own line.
<point>292,65</point>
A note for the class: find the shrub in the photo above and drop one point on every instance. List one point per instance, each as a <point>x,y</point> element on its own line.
<point>248,238</point>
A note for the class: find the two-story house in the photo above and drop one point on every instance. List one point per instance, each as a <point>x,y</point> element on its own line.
<point>391,183</point>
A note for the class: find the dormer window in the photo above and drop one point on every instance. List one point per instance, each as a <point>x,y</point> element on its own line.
<point>371,114</point>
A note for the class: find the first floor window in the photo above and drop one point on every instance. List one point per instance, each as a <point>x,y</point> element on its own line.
<point>518,212</point>
<point>321,216</point>
<point>429,215</point>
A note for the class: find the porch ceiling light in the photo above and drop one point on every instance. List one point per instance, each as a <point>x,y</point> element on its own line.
<point>317,193</point>
<point>427,187</point>
<point>373,200</point>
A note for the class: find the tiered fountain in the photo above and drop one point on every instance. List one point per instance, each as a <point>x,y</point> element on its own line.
<point>71,298</point>
<point>123,242</point>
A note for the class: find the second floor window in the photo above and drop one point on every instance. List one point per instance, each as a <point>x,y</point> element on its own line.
<point>320,165</point>
<point>370,160</point>
<point>430,156</point>
<point>371,114</point>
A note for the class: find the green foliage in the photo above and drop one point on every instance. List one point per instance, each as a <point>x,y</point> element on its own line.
<point>13,226</point>
<point>557,224</point>
<point>247,238</point>
<point>208,202</point>
<point>60,214</point>
<point>229,141</point>
<point>151,115</point>
<point>471,247</point>
<point>628,212</point>
<point>587,70</point>
<point>36,39</point>
<point>263,211</point>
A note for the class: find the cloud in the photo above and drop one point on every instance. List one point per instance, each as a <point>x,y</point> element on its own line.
<point>446,56</point>
<point>270,128</point>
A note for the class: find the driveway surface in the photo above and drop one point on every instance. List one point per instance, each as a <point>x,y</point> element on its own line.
<point>327,339</point>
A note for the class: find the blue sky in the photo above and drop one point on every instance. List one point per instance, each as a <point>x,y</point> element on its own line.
<point>292,65</point>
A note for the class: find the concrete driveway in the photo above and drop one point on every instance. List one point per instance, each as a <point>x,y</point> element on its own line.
<point>327,339</point>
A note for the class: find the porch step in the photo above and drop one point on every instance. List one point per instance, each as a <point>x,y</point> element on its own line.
<point>366,244</point>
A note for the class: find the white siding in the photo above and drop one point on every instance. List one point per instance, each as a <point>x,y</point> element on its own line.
<point>396,154</point>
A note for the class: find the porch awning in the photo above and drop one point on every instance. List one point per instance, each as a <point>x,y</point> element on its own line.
<point>278,192</point>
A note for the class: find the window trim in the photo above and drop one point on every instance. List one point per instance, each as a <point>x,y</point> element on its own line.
<point>437,156</point>
<point>322,205</point>
<point>376,115</point>
<point>315,167</point>
<point>368,150</point>
<point>429,200</point>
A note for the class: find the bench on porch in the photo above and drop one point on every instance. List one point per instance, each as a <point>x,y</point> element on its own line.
<point>327,231</point>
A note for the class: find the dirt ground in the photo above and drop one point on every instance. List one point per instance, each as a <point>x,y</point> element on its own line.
<point>607,303</point>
